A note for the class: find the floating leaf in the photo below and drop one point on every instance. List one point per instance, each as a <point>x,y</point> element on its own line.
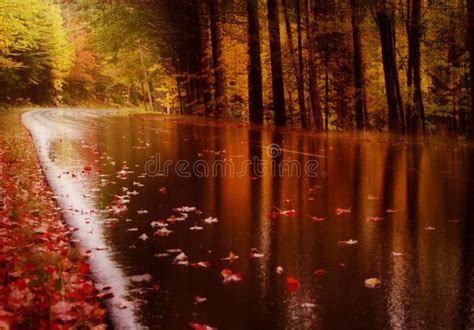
<point>372,283</point>
<point>231,257</point>
<point>198,326</point>
<point>141,278</point>
<point>320,272</point>
<point>229,277</point>
<point>143,237</point>
<point>375,219</point>
<point>349,242</point>
<point>292,284</point>
<point>199,300</point>
<point>340,211</point>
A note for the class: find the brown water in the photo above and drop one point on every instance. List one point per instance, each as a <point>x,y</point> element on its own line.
<point>422,251</point>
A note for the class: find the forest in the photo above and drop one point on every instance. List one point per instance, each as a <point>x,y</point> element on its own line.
<point>397,65</point>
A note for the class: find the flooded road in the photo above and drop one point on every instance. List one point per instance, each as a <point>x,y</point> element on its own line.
<point>236,228</point>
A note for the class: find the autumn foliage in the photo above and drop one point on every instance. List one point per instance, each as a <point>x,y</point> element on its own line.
<point>44,277</point>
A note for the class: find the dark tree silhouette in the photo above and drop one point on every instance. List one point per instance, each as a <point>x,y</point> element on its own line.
<point>276,63</point>
<point>217,65</point>
<point>255,65</point>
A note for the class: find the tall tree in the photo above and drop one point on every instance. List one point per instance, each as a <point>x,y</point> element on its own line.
<point>314,97</point>
<point>358,68</point>
<point>218,68</point>
<point>276,63</point>
<point>383,13</point>
<point>470,41</point>
<point>294,59</point>
<point>206,59</point>
<point>415,107</point>
<point>301,97</point>
<point>145,77</point>
<point>255,85</point>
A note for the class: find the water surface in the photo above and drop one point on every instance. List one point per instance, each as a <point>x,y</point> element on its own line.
<point>421,248</point>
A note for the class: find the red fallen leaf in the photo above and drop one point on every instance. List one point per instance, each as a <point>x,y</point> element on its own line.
<point>62,310</point>
<point>105,295</point>
<point>317,219</point>
<point>198,326</point>
<point>272,215</point>
<point>18,296</point>
<point>50,269</point>
<point>162,190</point>
<point>320,272</point>
<point>57,326</point>
<point>156,287</point>
<point>87,288</point>
<point>288,213</point>
<point>292,284</point>
<point>374,219</point>
<point>87,168</point>
<point>340,210</point>
<point>101,287</point>
<point>201,264</point>
<point>19,284</point>
<point>199,300</point>
<point>229,277</point>
<point>84,268</point>
<point>6,319</point>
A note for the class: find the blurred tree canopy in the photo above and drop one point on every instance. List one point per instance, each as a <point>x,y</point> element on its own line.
<point>35,55</point>
<point>335,64</point>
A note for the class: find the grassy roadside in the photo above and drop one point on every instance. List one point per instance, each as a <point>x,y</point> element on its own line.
<point>44,278</point>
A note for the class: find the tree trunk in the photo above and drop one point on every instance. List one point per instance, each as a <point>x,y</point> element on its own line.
<point>145,76</point>
<point>301,97</point>
<point>470,46</point>
<point>385,25</point>
<point>255,85</point>
<point>180,96</point>
<point>205,63</point>
<point>290,106</point>
<point>415,109</point>
<point>276,63</point>
<point>400,108</point>
<point>143,95</point>
<point>358,70</point>
<point>326,90</point>
<point>314,96</point>
<point>217,65</point>
<point>294,61</point>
